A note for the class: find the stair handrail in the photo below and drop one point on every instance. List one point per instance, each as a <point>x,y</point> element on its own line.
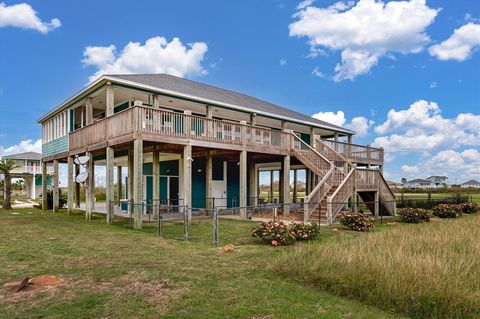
<point>318,139</point>
<point>308,147</point>
<point>390,205</point>
<point>319,188</point>
<point>331,212</point>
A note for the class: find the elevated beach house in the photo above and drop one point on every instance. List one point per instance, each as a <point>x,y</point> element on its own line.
<point>29,168</point>
<point>197,146</point>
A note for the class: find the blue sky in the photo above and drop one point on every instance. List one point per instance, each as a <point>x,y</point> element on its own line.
<point>282,51</point>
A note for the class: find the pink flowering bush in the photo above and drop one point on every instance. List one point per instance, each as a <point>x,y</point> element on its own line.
<point>414,215</point>
<point>447,210</point>
<point>305,231</point>
<point>356,221</point>
<point>469,208</point>
<point>274,233</point>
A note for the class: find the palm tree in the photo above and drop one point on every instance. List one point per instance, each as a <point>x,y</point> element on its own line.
<point>6,166</point>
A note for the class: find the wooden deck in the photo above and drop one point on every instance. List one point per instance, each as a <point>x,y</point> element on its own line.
<point>164,126</point>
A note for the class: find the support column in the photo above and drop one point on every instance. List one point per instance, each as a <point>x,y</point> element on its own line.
<point>187,175</point>
<point>208,178</point>
<point>44,186</point>
<point>377,204</point>
<point>88,111</point>
<point>119,183</point>
<point>313,143</point>
<point>130,181</point>
<point>155,180</point>
<point>90,188</point>
<point>77,187</point>
<point>137,183</point>
<point>109,185</point>
<point>286,184</point>
<point>253,185</point>
<point>70,186</point>
<point>243,184</point>
<point>55,187</point>
<point>109,100</point>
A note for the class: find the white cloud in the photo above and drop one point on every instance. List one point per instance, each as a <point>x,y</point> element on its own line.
<point>409,169</point>
<point>365,31</point>
<point>157,55</point>
<point>460,45</point>
<point>462,165</point>
<point>422,127</point>
<point>304,4</point>
<point>283,62</point>
<point>433,85</point>
<point>23,146</point>
<point>22,15</point>
<point>318,73</point>
<point>358,124</point>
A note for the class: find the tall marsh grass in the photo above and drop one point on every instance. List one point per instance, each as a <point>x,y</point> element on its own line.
<point>424,271</point>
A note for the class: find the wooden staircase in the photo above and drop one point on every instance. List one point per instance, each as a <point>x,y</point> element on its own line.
<point>337,181</point>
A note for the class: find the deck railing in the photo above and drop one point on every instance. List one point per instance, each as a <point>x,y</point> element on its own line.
<point>175,124</point>
<point>337,200</point>
<point>355,152</point>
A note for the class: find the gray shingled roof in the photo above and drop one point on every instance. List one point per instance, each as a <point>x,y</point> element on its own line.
<point>418,180</point>
<point>471,182</point>
<point>25,155</point>
<point>204,91</point>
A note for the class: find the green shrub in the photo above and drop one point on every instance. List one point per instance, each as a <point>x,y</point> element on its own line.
<point>356,221</point>
<point>414,215</point>
<point>305,231</point>
<point>469,208</point>
<point>447,210</point>
<point>274,233</point>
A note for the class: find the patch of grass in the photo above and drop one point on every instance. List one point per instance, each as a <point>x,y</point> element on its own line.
<point>424,271</point>
<point>115,272</point>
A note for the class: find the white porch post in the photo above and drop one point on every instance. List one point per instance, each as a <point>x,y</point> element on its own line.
<point>208,178</point>
<point>110,98</point>
<point>137,183</point>
<point>286,184</point>
<point>109,184</point>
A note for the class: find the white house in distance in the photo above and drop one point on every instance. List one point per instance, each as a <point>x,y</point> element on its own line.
<point>419,183</point>
<point>29,168</point>
<point>438,181</point>
<point>470,184</point>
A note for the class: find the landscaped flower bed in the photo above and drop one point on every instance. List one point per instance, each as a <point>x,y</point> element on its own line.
<point>356,221</point>
<point>414,215</point>
<point>447,211</point>
<point>469,208</point>
<point>279,233</point>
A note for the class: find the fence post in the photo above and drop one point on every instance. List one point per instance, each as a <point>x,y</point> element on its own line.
<point>159,223</point>
<point>215,227</point>
<point>329,210</point>
<point>185,222</point>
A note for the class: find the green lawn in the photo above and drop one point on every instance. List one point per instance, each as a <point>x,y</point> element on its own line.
<point>115,272</point>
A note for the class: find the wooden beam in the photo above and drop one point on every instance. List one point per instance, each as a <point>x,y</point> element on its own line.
<point>55,187</point>
<point>110,100</point>
<point>156,179</point>
<point>77,187</point>
<point>187,175</point>
<point>286,184</point>
<point>88,111</point>
<point>208,179</point>
<point>253,183</point>
<point>119,183</point>
<point>243,184</point>
<point>138,183</point>
<point>90,189</point>
<point>44,186</point>
<point>130,181</point>
<point>70,185</point>
<point>109,184</point>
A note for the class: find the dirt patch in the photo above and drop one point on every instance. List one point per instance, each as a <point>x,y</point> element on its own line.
<point>46,280</point>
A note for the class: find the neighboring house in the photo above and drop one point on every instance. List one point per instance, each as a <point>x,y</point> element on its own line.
<point>185,142</point>
<point>419,183</point>
<point>438,181</point>
<point>29,168</point>
<point>470,184</point>
<point>393,184</point>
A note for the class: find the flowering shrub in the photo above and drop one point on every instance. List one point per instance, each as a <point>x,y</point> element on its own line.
<point>305,231</point>
<point>447,210</point>
<point>469,208</point>
<point>356,221</point>
<point>274,233</point>
<point>414,215</point>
